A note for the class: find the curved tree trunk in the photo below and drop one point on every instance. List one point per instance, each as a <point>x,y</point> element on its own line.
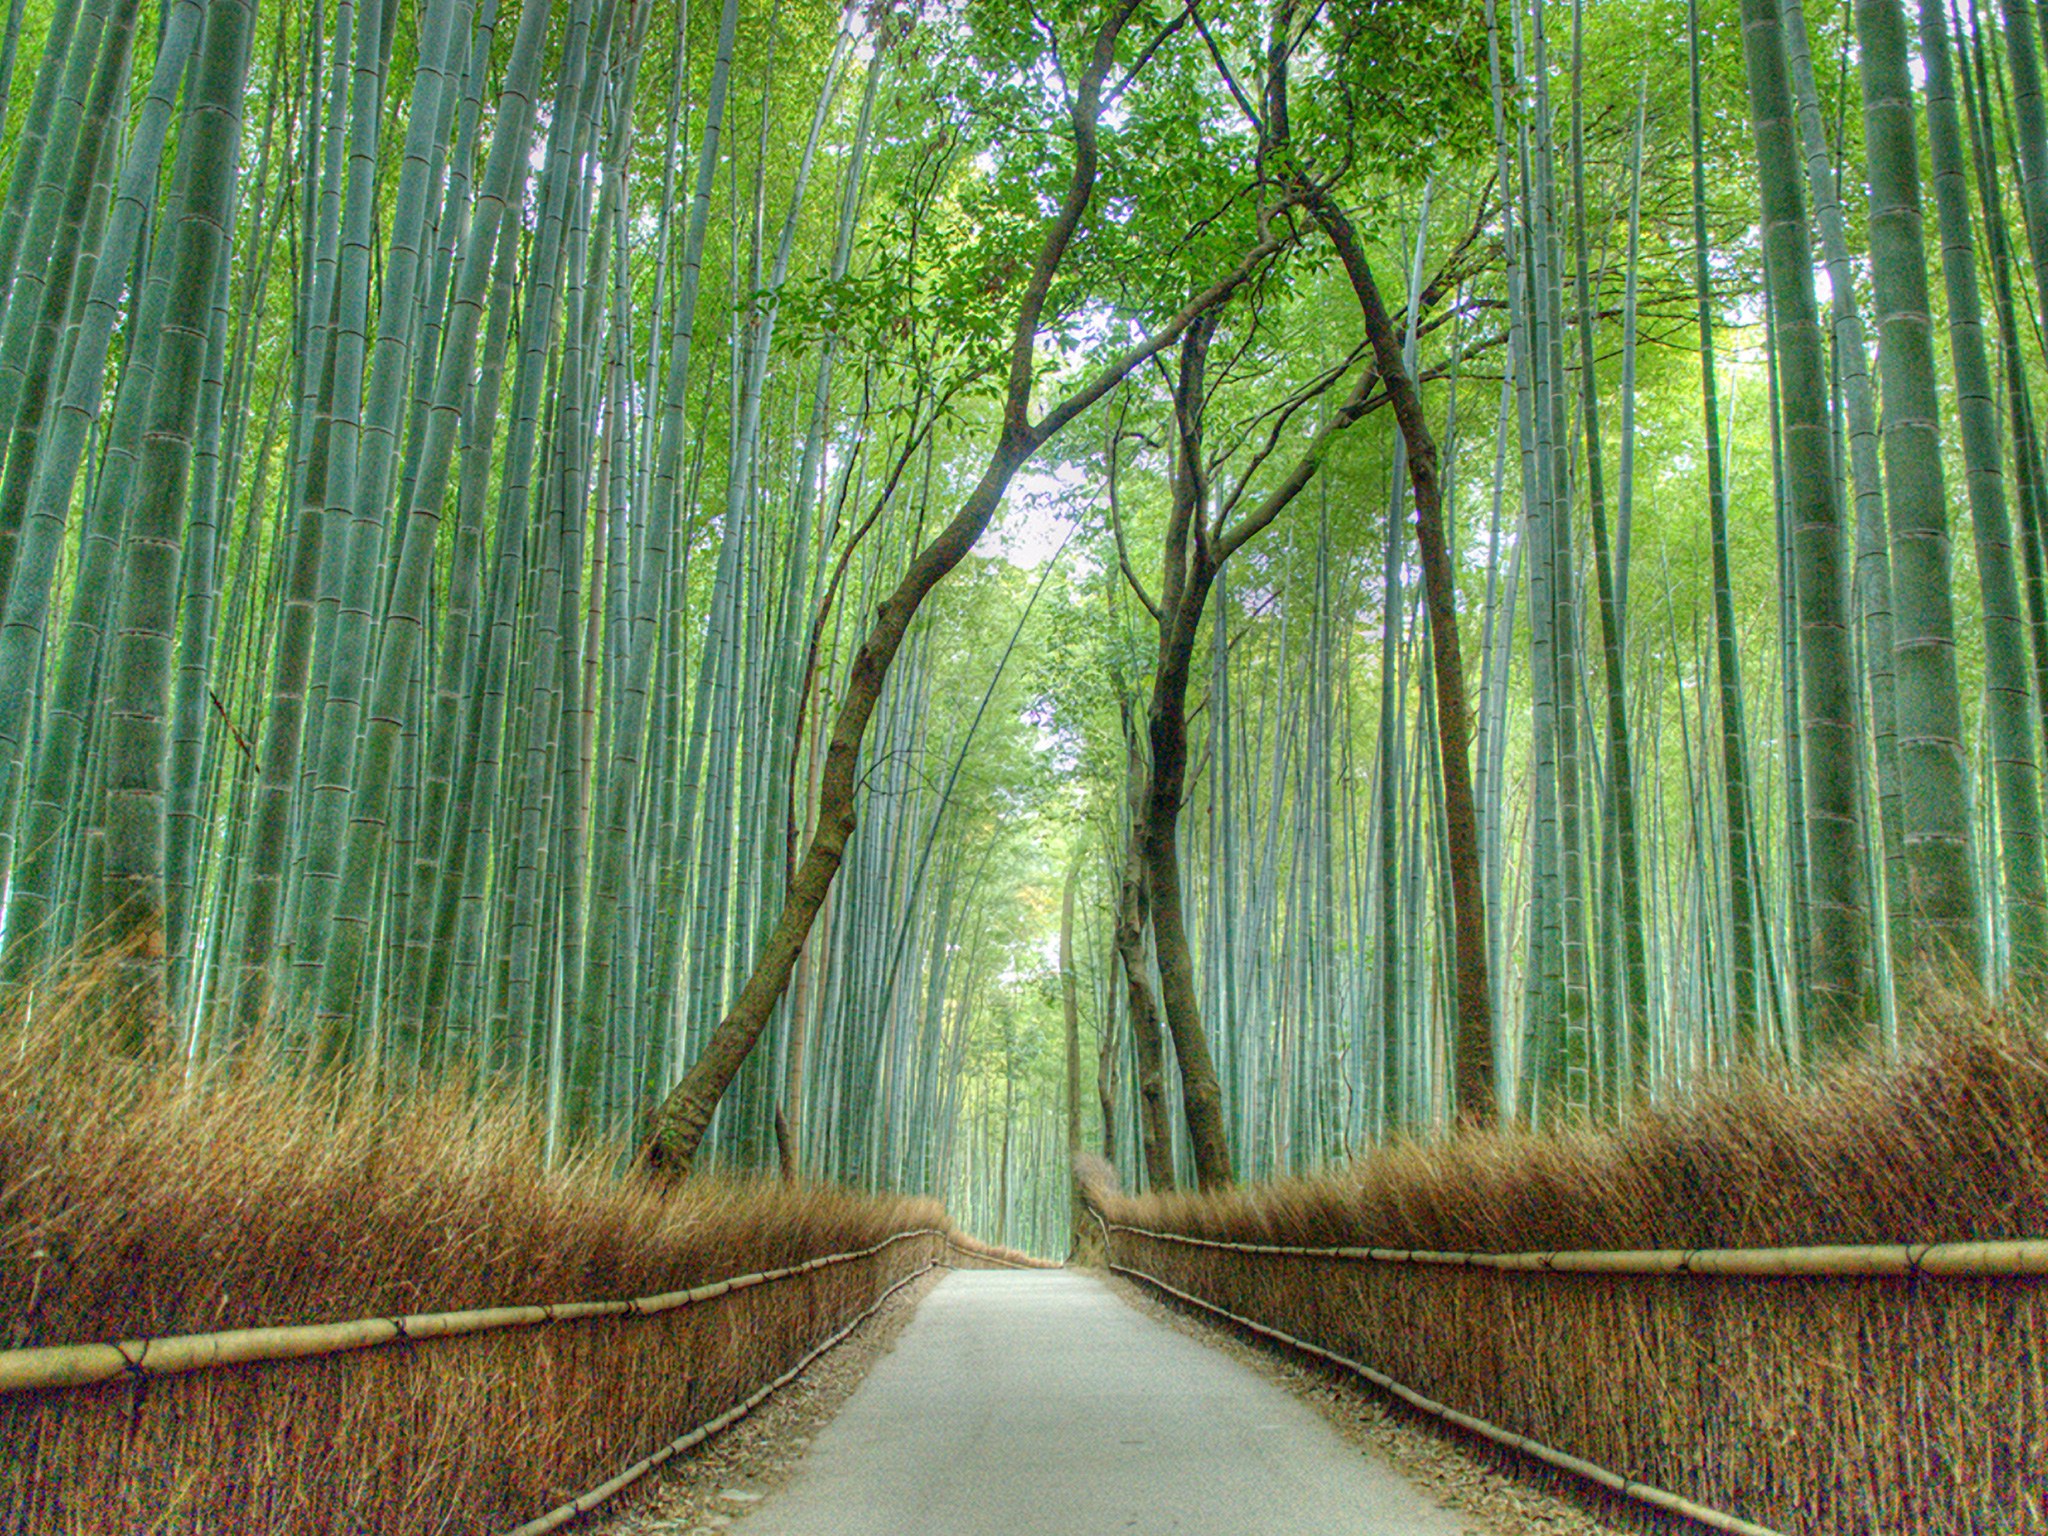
<point>1190,570</point>
<point>677,1126</point>
<point>1131,920</point>
<point>1473,1051</point>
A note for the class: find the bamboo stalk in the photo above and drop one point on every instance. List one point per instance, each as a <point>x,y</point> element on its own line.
<point>77,1365</point>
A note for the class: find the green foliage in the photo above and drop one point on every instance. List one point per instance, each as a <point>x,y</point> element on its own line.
<point>633,594</point>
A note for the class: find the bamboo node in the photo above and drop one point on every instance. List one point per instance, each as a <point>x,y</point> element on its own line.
<point>131,1365</point>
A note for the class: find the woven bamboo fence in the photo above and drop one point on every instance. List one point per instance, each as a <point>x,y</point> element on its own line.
<point>1828,1391</point>
<point>467,1422</point>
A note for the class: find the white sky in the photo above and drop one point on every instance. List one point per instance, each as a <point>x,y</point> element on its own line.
<point>1037,515</point>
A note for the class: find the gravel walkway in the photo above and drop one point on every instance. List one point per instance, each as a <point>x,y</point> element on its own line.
<point>723,1482</point>
<point>1038,1402</point>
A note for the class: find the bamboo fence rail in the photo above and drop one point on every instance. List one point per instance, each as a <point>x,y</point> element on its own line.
<point>77,1365</point>
<point>976,1252</point>
<point>1976,1260</point>
<point>1828,1390</point>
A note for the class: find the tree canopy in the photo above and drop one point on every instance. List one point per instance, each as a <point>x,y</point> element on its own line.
<point>631,547</point>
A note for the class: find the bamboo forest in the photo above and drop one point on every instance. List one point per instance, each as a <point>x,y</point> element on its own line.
<point>896,590</point>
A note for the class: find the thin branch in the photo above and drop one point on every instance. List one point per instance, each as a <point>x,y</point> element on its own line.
<point>1229,80</point>
<point>1304,470</point>
<point>1113,373</point>
<point>1116,527</point>
<point>1145,56</point>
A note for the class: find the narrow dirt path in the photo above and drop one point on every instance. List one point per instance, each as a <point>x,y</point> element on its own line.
<point>1040,1402</point>
<point>710,1491</point>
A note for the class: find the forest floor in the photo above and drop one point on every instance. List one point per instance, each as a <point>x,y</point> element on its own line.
<point>1502,1495</point>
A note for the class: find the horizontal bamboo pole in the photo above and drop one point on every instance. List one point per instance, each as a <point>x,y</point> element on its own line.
<point>57,1366</point>
<point>583,1503</point>
<point>1979,1260</point>
<point>1660,1498</point>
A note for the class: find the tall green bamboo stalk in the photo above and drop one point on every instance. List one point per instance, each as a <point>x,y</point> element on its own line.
<point>1840,928</point>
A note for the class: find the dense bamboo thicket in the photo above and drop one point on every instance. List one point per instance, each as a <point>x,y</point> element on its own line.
<point>135,1207</point>
<point>1726,357</point>
<point>1814,1404</point>
<point>964,1252</point>
<point>451,451</point>
<point>750,571</point>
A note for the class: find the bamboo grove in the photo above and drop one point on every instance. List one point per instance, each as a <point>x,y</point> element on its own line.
<point>495,507</point>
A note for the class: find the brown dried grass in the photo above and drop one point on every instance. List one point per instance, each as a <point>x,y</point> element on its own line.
<point>1949,1145</point>
<point>133,1205</point>
<point>1818,1405</point>
<point>967,1252</point>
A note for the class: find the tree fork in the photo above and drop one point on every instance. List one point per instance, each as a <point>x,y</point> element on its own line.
<point>677,1126</point>
<point>1190,567</point>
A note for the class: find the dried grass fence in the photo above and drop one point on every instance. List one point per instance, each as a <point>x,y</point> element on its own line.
<point>456,1422</point>
<point>1800,1378</point>
<point>964,1252</point>
<point>292,1215</point>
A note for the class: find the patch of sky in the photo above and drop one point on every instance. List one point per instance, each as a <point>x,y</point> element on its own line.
<point>1039,514</point>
